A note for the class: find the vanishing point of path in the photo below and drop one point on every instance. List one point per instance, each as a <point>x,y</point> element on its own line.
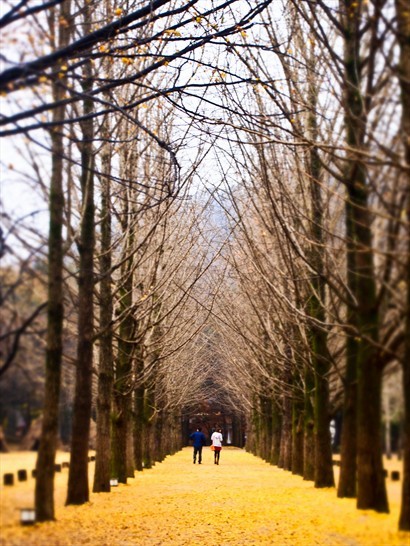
<point>243,501</point>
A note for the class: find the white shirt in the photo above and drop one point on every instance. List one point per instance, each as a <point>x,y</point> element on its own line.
<point>217,439</point>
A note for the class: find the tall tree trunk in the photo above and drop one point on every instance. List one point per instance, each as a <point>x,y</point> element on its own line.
<point>266,427</point>
<point>151,362</point>
<point>309,426</point>
<point>348,451</point>
<point>297,436</point>
<point>403,20</point>
<point>323,441</point>
<point>44,488</point>
<point>138,431</point>
<point>348,448</point>
<point>276,433</point>
<point>78,488</point>
<point>285,456</point>
<point>148,427</point>
<point>44,491</point>
<point>257,429</point>
<point>102,473</point>
<point>123,376</point>
<point>323,473</point>
<point>159,443</point>
<point>371,488</point>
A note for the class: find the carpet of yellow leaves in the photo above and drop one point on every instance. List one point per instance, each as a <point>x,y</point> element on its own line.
<point>243,501</point>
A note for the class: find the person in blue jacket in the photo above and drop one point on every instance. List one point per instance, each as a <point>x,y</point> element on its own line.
<point>198,441</point>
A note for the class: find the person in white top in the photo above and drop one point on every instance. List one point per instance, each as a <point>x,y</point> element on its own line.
<point>217,440</point>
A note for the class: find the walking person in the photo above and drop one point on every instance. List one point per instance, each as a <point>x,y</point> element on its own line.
<point>217,440</point>
<point>198,441</point>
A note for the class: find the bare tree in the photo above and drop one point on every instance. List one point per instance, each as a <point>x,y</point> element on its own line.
<point>44,493</point>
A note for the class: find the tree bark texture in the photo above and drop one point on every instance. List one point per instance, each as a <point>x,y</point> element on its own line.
<point>348,448</point>
<point>323,448</point>
<point>323,472</point>
<point>266,427</point>
<point>285,454</point>
<point>78,488</point>
<point>102,473</point>
<point>123,377</point>
<point>348,452</point>
<point>297,437</point>
<point>308,426</point>
<point>138,431</point>
<point>44,488</point>
<point>276,432</point>
<point>159,444</point>
<point>371,488</point>
<point>148,440</point>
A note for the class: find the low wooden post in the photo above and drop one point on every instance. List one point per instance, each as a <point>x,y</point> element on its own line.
<point>22,475</point>
<point>8,479</point>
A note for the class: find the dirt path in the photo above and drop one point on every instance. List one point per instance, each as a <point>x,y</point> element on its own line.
<point>243,501</point>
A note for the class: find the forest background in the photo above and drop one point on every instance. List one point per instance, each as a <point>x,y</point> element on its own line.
<point>227,191</point>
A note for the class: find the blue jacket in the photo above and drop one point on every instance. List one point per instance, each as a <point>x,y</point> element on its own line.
<point>198,439</point>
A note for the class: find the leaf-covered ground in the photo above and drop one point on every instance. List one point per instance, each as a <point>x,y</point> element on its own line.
<point>243,501</point>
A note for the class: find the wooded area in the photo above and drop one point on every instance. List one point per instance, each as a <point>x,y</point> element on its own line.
<point>227,192</point>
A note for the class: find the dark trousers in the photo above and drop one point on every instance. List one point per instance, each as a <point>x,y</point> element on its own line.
<point>198,451</point>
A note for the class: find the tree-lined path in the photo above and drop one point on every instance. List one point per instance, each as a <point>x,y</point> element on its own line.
<point>205,221</point>
<point>243,501</point>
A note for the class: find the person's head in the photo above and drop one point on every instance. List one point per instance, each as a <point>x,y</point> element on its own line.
<point>198,429</point>
<point>219,430</point>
